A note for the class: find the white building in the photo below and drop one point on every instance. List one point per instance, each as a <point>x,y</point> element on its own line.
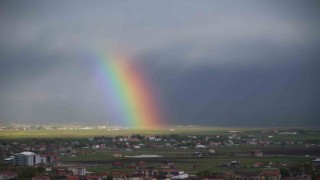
<point>181,175</point>
<point>78,170</point>
<point>28,159</point>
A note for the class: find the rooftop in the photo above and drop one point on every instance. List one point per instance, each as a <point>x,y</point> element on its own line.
<point>316,160</point>
<point>27,153</point>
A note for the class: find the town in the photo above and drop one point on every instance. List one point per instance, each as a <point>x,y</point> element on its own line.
<point>159,90</point>
<point>226,154</point>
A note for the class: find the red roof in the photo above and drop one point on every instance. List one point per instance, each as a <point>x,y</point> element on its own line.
<point>169,170</point>
<point>117,173</point>
<point>41,177</point>
<point>73,178</point>
<point>8,173</point>
<point>259,163</point>
<point>104,174</point>
<point>141,163</point>
<point>93,176</point>
<point>117,163</point>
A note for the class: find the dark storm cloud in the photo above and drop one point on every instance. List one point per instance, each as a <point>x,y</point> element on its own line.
<point>225,63</point>
<point>282,90</point>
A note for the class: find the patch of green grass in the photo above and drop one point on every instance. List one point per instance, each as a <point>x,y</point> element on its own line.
<point>100,169</point>
<point>96,156</point>
<point>182,160</point>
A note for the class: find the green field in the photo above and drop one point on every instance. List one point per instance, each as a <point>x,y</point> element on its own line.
<point>82,133</point>
<point>182,160</point>
<point>86,133</point>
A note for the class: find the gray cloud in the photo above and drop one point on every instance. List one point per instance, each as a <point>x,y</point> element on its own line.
<point>217,63</point>
<point>283,91</point>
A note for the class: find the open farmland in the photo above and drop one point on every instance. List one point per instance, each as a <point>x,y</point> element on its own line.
<point>87,133</point>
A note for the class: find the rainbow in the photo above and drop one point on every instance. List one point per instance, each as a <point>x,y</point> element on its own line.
<point>131,96</point>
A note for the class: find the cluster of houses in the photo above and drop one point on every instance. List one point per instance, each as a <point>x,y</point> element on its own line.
<point>81,173</point>
<point>71,147</point>
<point>141,171</point>
<point>77,173</point>
<point>46,153</point>
<point>56,171</point>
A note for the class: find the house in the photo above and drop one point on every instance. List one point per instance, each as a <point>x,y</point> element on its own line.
<point>304,177</point>
<point>180,175</point>
<point>117,155</point>
<point>256,153</point>
<point>41,178</point>
<point>73,178</point>
<point>104,175</point>
<point>79,170</point>
<point>149,172</point>
<point>135,177</point>
<point>140,164</point>
<point>211,152</point>
<point>6,175</point>
<point>174,174</point>
<point>61,172</point>
<point>136,146</point>
<point>316,164</point>
<point>9,160</point>
<point>50,157</point>
<point>93,177</point>
<point>273,175</point>
<point>247,175</point>
<point>258,164</point>
<point>117,164</point>
<point>118,175</point>
<point>200,146</point>
<point>167,165</point>
<point>198,153</point>
<point>231,164</point>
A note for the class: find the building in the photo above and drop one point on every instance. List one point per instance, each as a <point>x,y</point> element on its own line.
<point>258,164</point>
<point>117,155</point>
<point>50,157</point>
<point>274,175</point>
<point>24,159</point>
<point>256,153</point>
<point>41,178</point>
<point>78,170</point>
<point>150,173</point>
<point>73,178</point>
<point>28,159</point>
<point>316,164</point>
<point>6,175</point>
<point>119,175</point>
<point>135,177</point>
<point>117,165</point>
<point>9,160</point>
<point>93,177</point>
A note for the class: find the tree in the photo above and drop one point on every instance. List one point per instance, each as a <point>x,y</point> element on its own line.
<point>40,170</point>
<point>26,172</point>
<point>204,173</point>
<point>284,172</point>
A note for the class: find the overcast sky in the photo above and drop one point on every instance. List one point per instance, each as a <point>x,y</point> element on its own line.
<point>223,63</point>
